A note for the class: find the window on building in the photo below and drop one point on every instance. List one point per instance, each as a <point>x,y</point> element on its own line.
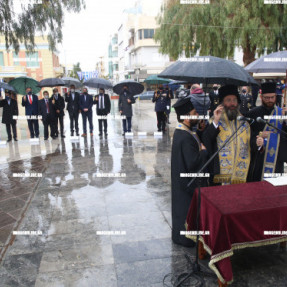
<point>115,40</point>
<point>148,33</point>
<point>140,34</point>
<point>1,59</point>
<point>110,51</point>
<point>110,69</point>
<point>115,53</point>
<point>32,60</point>
<point>16,59</point>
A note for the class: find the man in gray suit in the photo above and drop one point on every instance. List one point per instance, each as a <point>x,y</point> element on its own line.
<point>125,107</point>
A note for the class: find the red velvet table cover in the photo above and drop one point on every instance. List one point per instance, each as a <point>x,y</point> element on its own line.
<point>236,217</point>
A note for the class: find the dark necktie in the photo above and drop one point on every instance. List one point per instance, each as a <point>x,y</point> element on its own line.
<point>47,106</point>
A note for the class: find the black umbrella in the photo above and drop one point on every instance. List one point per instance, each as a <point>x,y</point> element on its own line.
<point>272,63</point>
<point>51,82</point>
<point>98,83</point>
<point>72,81</point>
<point>135,88</point>
<point>208,70</point>
<point>5,86</point>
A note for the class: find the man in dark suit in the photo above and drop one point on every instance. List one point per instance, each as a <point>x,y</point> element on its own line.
<point>73,107</point>
<point>86,105</point>
<point>30,102</point>
<point>125,108</point>
<point>10,109</point>
<point>47,110</point>
<point>59,107</point>
<point>161,100</point>
<point>103,109</point>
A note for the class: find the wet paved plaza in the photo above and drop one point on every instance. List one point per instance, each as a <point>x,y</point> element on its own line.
<point>70,204</point>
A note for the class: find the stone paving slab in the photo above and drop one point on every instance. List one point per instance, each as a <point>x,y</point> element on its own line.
<point>70,205</point>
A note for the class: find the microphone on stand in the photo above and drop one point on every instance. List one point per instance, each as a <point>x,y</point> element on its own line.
<point>262,121</point>
<point>242,118</point>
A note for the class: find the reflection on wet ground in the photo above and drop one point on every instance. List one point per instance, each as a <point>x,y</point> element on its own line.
<point>70,204</point>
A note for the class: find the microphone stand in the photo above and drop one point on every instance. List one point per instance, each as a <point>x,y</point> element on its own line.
<point>196,268</point>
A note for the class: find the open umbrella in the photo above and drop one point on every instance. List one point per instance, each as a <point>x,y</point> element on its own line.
<point>51,82</point>
<point>72,81</point>
<point>271,63</point>
<point>174,85</point>
<point>98,83</point>
<point>155,80</point>
<point>208,70</point>
<point>135,88</point>
<point>6,86</point>
<point>22,83</point>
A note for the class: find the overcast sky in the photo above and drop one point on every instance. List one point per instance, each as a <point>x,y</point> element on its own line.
<point>86,34</point>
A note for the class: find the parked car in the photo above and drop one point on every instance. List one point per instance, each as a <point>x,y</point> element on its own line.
<point>182,92</point>
<point>145,95</point>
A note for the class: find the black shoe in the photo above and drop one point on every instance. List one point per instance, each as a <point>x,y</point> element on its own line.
<point>123,133</point>
<point>159,130</point>
<point>15,140</point>
<point>54,137</point>
<point>63,136</point>
<point>106,134</point>
<point>9,140</point>
<point>72,134</point>
<point>77,134</point>
<point>45,139</point>
<point>100,134</point>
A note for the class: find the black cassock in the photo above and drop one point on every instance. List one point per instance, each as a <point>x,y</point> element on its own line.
<point>186,157</point>
<point>257,156</point>
<point>209,139</point>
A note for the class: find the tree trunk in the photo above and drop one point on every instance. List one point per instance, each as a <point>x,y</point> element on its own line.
<point>248,53</point>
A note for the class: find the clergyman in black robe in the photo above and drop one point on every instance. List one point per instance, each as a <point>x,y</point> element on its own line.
<point>188,156</point>
<point>259,137</point>
<point>231,164</point>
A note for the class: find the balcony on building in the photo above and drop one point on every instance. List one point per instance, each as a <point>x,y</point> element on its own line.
<point>11,72</point>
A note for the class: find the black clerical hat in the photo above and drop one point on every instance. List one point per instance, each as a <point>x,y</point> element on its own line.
<point>268,88</point>
<point>183,106</point>
<point>228,90</point>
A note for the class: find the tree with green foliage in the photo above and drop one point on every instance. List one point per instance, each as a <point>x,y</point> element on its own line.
<point>217,28</point>
<point>46,18</point>
<point>73,73</point>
